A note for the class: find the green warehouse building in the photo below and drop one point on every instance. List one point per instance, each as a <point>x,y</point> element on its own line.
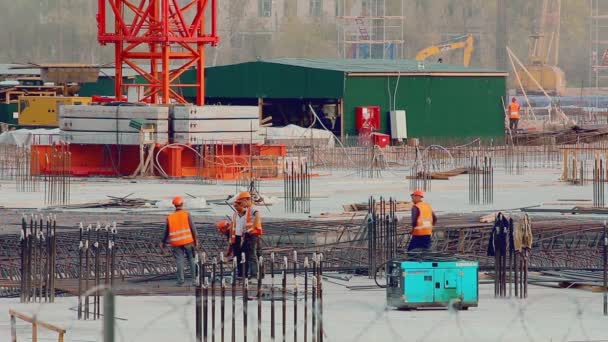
<point>440,100</point>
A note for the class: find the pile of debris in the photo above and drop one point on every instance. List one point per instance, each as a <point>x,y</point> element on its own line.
<point>114,202</point>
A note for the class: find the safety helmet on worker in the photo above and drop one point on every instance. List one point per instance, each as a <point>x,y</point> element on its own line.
<point>245,195</point>
<point>223,226</point>
<point>418,193</point>
<point>514,99</point>
<point>178,201</point>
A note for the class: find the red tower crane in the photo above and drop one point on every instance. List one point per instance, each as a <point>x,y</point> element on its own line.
<point>160,40</point>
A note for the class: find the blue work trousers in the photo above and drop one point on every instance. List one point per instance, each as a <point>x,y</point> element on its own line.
<point>180,253</point>
<point>420,243</point>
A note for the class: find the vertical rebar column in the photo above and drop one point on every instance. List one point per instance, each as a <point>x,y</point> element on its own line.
<point>259,295</point>
<point>205,285</point>
<point>30,242</point>
<point>272,313</point>
<point>320,292</point>
<point>222,299</point>
<point>113,253</point>
<point>369,237</point>
<point>305,299</point>
<point>233,290</point>
<point>295,296</point>
<point>97,246</point>
<point>87,272</point>
<point>605,255</point>
<point>24,258</point>
<point>213,270</point>
<point>314,300</point>
<point>284,300</point>
<point>198,311</point>
<point>80,252</point>
<point>245,296</point>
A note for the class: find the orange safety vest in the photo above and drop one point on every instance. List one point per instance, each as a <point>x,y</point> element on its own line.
<point>514,110</point>
<point>180,233</point>
<point>249,227</point>
<point>424,225</point>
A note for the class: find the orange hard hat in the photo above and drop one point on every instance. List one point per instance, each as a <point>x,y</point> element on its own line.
<point>243,195</point>
<point>178,201</point>
<point>418,193</point>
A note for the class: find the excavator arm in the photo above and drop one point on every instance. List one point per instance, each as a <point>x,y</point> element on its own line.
<point>465,42</point>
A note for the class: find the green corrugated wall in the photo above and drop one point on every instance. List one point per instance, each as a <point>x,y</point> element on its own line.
<point>436,106</point>
<point>104,86</point>
<point>267,80</point>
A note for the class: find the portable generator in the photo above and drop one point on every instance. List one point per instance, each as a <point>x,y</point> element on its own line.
<point>418,283</point>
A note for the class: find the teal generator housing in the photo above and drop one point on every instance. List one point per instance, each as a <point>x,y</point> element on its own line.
<point>419,284</point>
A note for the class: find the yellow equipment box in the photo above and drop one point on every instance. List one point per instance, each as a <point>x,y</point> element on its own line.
<point>43,111</point>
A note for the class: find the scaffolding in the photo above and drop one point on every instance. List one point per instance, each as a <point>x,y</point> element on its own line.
<point>598,33</point>
<point>366,31</point>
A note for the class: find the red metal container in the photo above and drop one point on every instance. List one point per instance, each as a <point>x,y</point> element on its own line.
<point>382,140</point>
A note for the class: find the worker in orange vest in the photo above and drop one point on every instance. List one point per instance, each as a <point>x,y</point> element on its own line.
<point>246,232</point>
<point>423,220</point>
<point>180,234</point>
<point>513,114</point>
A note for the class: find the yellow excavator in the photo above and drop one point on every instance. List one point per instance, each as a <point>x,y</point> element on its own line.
<point>465,42</point>
<point>543,55</point>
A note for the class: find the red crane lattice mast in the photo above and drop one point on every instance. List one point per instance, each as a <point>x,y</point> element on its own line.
<point>160,40</point>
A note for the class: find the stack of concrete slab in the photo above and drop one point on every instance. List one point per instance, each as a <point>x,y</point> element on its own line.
<point>216,124</point>
<point>110,124</point>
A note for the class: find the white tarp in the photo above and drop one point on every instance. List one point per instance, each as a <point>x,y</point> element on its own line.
<point>27,137</point>
<point>299,133</point>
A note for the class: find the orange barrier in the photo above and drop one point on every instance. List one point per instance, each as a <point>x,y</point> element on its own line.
<point>220,162</point>
<point>88,160</point>
<point>223,162</point>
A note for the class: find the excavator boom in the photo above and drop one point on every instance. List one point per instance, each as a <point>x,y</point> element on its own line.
<point>465,42</point>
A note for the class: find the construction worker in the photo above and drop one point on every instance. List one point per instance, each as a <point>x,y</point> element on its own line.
<point>180,234</point>
<point>247,231</point>
<point>423,220</point>
<point>513,114</point>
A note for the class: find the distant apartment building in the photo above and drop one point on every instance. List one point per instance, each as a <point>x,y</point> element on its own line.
<point>247,23</point>
<point>359,30</point>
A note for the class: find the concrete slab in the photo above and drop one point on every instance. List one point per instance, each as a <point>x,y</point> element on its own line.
<point>329,192</point>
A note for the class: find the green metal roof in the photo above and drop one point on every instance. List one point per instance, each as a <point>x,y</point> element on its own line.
<point>378,65</point>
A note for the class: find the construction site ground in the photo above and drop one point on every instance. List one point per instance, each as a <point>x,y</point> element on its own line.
<point>350,315</point>
<point>329,192</point>
<point>353,315</point>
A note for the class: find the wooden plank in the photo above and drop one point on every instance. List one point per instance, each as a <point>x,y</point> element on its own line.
<point>35,322</point>
<point>401,206</point>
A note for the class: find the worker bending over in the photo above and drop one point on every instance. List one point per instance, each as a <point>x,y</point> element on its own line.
<point>247,223</point>
<point>180,234</point>
<point>513,114</point>
<point>224,227</point>
<point>423,220</point>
